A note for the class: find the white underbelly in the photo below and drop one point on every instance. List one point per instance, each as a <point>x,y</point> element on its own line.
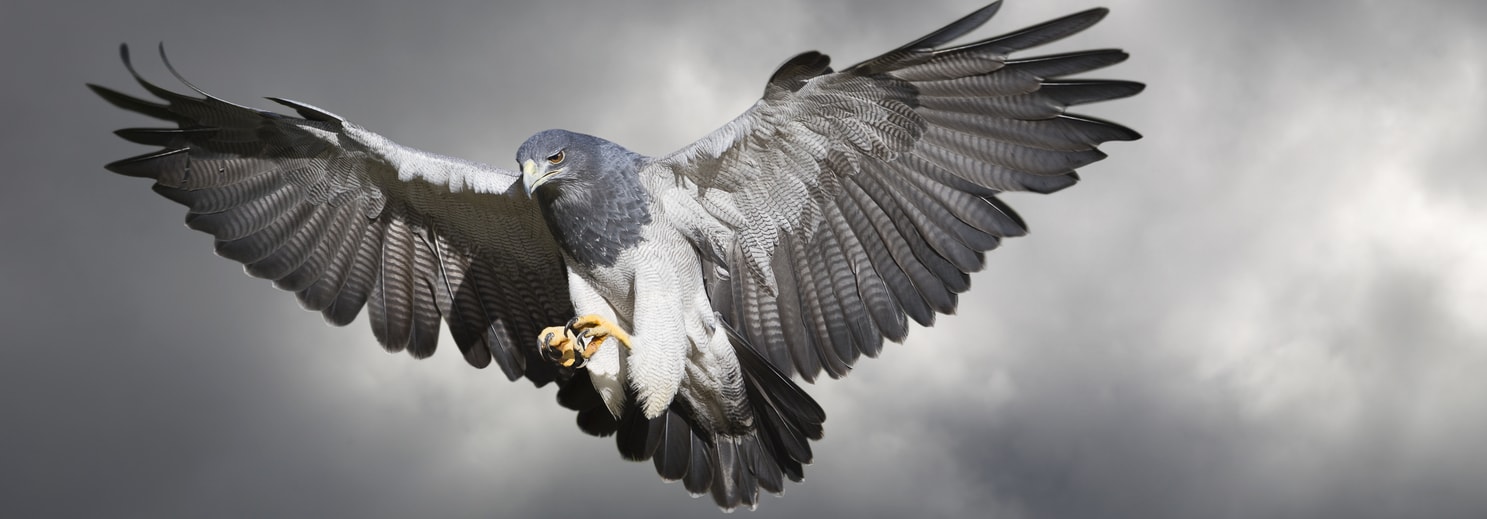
<point>655,291</point>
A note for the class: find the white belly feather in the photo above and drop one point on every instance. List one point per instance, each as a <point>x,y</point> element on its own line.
<point>656,293</point>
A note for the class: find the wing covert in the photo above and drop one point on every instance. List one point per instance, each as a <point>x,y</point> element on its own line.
<point>347,219</point>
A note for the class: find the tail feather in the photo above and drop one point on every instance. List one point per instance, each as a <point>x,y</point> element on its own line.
<point>786,419</point>
<point>762,376</point>
<point>733,468</point>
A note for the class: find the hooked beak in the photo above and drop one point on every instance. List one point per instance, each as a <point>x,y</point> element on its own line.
<point>533,175</point>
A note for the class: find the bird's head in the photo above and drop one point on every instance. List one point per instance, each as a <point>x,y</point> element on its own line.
<point>589,191</point>
<point>556,157</point>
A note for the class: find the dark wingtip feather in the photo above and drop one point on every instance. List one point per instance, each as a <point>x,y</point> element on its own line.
<point>1117,132</point>
<point>1043,33</point>
<point>167,95</point>
<point>129,65</point>
<point>307,111</point>
<point>124,56</point>
<point>927,43</point>
<point>956,28</point>
<point>1012,214</point>
<point>133,104</point>
<point>1057,65</point>
<point>1074,93</point>
<point>146,136</point>
<point>179,196</point>
<point>161,136</point>
<point>1046,184</point>
<point>170,67</point>
<point>140,165</point>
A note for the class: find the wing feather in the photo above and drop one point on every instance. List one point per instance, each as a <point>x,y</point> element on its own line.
<point>889,253</point>
<point>949,280</point>
<point>879,280</point>
<point>320,294</point>
<point>298,264</point>
<point>860,290</point>
<point>426,308</point>
<point>360,278</point>
<point>347,219</point>
<point>792,309</point>
<point>825,264</point>
<point>392,296</point>
<point>851,202</point>
<point>863,198</point>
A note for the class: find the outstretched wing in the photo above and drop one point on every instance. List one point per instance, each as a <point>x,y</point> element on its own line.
<point>859,197</point>
<point>345,218</point>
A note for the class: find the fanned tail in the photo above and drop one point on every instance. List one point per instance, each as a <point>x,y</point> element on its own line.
<point>733,468</point>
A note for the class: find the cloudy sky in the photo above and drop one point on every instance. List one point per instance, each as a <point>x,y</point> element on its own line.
<point>1269,307</point>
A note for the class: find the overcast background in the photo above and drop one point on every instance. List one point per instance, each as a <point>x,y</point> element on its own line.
<point>1272,306</point>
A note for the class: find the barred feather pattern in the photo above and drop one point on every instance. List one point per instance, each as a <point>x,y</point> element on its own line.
<point>863,198</point>
<point>347,220</point>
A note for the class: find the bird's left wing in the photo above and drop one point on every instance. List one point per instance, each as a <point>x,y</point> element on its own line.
<point>347,219</point>
<point>859,197</point>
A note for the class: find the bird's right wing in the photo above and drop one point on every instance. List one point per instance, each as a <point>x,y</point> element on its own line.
<point>345,218</point>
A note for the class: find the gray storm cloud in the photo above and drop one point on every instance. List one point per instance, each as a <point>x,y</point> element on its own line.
<point>1269,307</point>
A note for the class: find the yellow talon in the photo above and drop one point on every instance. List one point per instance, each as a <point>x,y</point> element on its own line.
<point>598,328</point>
<point>560,343</point>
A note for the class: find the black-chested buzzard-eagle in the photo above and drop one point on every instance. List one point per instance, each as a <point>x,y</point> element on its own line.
<point>672,298</point>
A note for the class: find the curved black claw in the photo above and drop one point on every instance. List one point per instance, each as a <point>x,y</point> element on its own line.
<point>546,350</point>
<point>572,327</point>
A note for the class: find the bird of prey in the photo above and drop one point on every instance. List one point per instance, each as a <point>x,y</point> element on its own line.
<point>671,299</point>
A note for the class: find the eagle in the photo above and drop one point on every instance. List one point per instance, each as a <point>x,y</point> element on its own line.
<point>673,300</point>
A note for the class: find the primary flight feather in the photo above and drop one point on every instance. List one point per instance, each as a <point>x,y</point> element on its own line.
<point>673,298</point>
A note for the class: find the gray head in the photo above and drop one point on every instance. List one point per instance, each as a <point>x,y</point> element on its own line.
<point>560,157</point>
<point>589,191</point>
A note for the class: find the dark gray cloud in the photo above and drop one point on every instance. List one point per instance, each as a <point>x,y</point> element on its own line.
<point>1270,307</point>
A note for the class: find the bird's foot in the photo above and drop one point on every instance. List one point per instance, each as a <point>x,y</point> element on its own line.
<point>572,344</point>
<point>556,344</point>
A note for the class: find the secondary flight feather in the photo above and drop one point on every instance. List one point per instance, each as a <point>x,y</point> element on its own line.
<point>672,299</point>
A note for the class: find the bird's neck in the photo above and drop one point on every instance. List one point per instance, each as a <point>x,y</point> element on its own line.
<point>594,223</point>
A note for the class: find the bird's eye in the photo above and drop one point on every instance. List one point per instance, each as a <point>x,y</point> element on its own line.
<point>555,158</point>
